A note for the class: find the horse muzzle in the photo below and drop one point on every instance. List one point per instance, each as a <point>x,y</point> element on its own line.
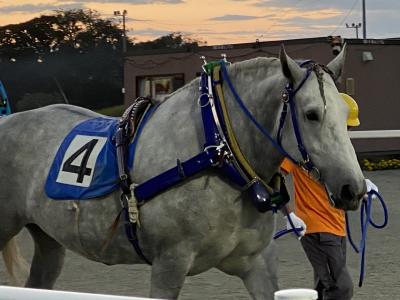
<point>348,198</point>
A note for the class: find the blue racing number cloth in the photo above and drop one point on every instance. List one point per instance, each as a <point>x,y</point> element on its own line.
<point>85,165</point>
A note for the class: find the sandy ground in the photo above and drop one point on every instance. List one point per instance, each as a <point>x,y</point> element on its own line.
<point>382,262</point>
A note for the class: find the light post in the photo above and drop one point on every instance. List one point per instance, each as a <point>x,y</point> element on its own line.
<point>356,26</point>
<point>364,17</point>
<point>117,13</point>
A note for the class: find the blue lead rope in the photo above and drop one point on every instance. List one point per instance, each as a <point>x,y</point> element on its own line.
<point>365,219</point>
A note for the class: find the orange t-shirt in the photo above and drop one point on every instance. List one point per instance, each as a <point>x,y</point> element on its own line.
<point>312,203</point>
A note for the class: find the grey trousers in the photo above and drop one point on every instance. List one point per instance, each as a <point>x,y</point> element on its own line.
<point>327,255</point>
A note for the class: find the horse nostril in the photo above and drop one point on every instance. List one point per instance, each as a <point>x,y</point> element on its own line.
<point>347,192</point>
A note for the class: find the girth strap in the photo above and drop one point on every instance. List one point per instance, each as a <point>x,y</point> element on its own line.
<point>128,126</point>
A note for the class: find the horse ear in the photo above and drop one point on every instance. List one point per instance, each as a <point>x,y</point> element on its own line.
<point>290,68</point>
<point>336,65</point>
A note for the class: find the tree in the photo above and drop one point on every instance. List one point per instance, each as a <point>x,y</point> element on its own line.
<point>75,48</point>
<point>73,51</point>
<point>175,40</point>
<point>73,31</point>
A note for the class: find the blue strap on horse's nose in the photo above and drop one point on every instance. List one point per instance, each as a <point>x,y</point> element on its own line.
<point>365,219</point>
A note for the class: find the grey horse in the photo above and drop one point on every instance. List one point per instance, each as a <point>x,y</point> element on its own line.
<point>202,223</point>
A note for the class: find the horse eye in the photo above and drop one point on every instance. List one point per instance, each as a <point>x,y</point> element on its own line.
<point>312,116</point>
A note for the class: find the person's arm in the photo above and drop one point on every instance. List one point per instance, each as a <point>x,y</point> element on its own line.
<point>287,211</point>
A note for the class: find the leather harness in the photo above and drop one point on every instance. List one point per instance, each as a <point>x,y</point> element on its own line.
<point>221,151</point>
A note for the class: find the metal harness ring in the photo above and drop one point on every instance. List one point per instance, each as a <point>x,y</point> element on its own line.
<point>207,103</point>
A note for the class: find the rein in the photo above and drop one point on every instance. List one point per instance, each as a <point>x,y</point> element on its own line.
<point>365,220</point>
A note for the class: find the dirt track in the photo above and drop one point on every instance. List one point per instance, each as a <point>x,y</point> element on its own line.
<point>382,263</point>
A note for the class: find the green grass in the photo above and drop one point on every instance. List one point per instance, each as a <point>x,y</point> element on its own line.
<point>112,111</point>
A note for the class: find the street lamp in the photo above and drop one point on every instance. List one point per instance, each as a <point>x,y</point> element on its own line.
<point>356,26</point>
<point>117,13</point>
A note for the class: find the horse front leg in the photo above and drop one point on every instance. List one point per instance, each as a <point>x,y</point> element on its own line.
<point>261,280</point>
<point>168,274</point>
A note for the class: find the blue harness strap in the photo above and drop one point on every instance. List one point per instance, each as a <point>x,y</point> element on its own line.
<point>211,156</point>
<point>175,175</point>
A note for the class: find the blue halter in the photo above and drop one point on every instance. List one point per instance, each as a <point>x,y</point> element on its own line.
<point>288,98</point>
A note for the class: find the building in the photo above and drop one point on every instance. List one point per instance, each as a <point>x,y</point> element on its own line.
<point>371,75</point>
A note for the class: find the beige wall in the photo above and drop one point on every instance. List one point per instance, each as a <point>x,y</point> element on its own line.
<point>376,82</point>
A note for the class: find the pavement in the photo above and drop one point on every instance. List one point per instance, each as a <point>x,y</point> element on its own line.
<point>381,272</point>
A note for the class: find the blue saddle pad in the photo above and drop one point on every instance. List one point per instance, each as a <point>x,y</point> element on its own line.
<point>85,165</point>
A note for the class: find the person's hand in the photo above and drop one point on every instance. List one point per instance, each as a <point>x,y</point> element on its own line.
<point>370,187</point>
<point>297,222</point>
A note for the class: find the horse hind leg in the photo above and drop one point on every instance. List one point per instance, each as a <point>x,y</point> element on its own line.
<point>48,259</point>
<point>16,265</point>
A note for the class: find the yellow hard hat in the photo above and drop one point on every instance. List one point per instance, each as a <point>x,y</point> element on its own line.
<point>352,118</point>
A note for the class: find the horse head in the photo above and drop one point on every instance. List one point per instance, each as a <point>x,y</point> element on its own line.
<point>321,121</point>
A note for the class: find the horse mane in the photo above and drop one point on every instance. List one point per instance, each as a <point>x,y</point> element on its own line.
<point>250,64</point>
<point>253,63</point>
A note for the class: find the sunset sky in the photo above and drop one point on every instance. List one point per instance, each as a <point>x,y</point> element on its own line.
<point>228,21</point>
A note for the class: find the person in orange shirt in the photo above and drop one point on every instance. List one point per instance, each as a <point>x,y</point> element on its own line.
<point>324,229</point>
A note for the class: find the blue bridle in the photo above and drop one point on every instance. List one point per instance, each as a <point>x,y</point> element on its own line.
<point>288,99</point>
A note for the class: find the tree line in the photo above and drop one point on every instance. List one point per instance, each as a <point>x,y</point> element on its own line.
<point>69,56</point>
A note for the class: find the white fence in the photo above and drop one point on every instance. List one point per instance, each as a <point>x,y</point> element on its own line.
<point>16,293</point>
<point>374,134</point>
<point>296,294</point>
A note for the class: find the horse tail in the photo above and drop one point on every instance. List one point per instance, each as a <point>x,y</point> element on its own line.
<point>17,267</point>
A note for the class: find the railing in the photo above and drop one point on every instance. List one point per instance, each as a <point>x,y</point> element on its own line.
<point>17,293</point>
<point>374,134</point>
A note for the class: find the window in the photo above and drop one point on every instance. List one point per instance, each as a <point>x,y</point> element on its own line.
<point>157,87</point>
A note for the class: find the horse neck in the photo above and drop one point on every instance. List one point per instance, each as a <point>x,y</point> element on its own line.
<point>259,83</point>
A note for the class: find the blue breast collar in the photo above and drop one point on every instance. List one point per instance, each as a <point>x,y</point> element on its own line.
<point>213,156</point>
<point>216,155</point>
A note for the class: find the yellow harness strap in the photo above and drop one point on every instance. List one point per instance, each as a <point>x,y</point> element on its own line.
<point>234,145</point>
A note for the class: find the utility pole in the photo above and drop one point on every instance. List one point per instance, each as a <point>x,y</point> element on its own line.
<point>364,20</point>
<point>356,26</point>
<point>117,13</point>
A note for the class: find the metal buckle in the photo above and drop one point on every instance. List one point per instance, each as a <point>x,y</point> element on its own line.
<point>315,174</point>
<point>204,63</point>
<point>221,153</point>
<point>285,97</point>
<point>210,98</point>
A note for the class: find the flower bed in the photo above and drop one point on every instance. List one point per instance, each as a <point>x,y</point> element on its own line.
<point>382,164</point>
